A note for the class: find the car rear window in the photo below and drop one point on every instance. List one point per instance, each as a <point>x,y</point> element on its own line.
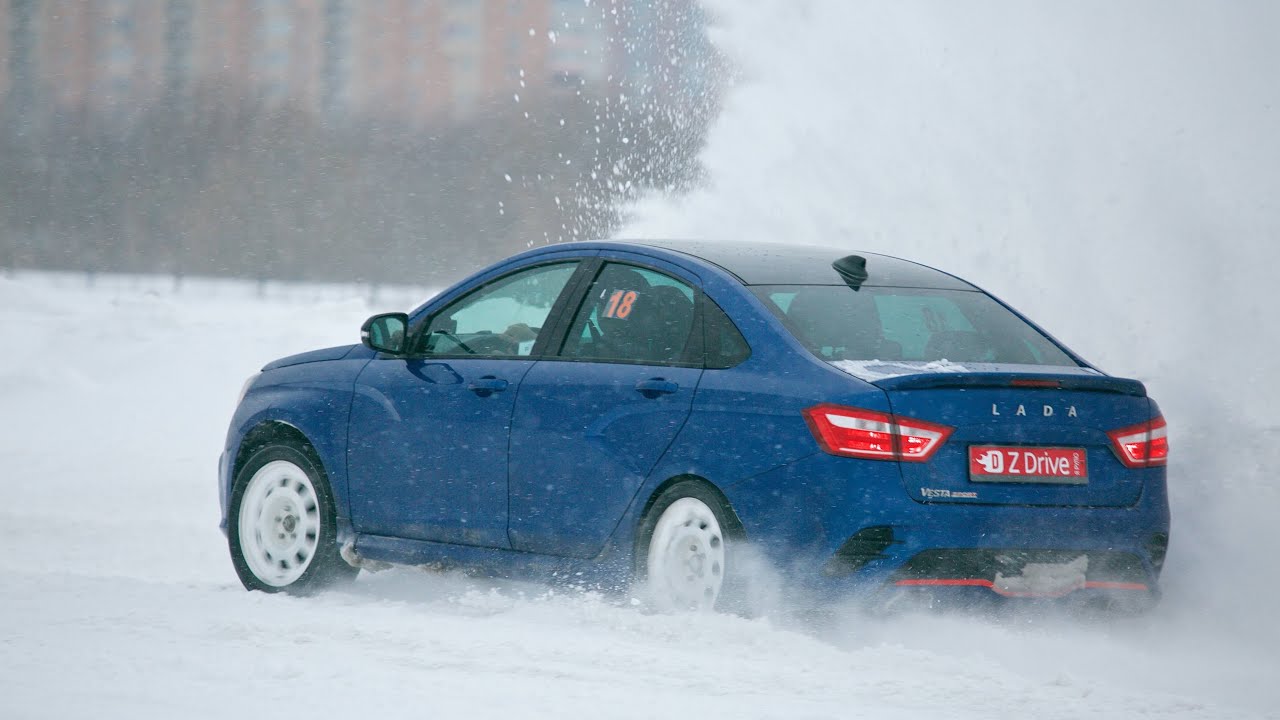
<point>913,324</point>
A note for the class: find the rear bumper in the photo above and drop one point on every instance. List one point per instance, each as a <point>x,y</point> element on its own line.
<point>846,527</point>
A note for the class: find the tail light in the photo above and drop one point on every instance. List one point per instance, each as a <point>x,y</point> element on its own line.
<point>871,435</point>
<point>1142,445</point>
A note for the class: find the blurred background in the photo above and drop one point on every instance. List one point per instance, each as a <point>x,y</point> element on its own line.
<point>375,141</point>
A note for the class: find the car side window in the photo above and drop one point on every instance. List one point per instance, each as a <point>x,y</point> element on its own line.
<point>632,314</point>
<point>503,318</point>
<point>724,344</point>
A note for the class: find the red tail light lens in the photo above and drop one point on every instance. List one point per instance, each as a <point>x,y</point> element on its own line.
<point>871,435</point>
<point>1142,445</point>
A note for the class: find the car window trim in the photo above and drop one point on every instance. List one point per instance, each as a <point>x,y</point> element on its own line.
<point>570,298</point>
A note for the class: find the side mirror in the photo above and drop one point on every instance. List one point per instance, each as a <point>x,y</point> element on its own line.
<point>385,333</point>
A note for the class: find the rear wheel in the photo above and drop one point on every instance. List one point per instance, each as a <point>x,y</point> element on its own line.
<point>684,549</point>
<point>281,527</point>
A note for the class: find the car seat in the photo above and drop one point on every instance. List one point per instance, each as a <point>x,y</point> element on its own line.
<point>610,336</point>
<point>662,319</point>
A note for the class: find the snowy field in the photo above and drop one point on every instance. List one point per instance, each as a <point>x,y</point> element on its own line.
<point>119,599</point>
<point>1111,169</point>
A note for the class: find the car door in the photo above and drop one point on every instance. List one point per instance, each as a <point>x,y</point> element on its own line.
<point>591,421</point>
<point>427,450</point>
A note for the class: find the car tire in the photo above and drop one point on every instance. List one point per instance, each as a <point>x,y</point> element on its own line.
<point>281,526</point>
<point>685,551</point>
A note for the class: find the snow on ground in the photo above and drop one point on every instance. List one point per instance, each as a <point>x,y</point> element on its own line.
<point>119,599</point>
<point>1109,168</point>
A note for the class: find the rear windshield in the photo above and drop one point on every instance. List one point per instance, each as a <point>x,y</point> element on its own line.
<point>912,324</point>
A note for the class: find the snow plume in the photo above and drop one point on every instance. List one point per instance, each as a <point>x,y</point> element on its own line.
<point>1109,168</point>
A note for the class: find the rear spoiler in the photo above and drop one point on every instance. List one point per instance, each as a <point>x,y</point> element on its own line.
<point>1049,381</point>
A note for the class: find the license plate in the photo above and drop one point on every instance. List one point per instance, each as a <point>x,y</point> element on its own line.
<point>1044,579</point>
<point>996,463</point>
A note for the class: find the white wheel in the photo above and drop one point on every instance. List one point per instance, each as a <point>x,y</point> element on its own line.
<point>279,523</point>
<point>686,558</point>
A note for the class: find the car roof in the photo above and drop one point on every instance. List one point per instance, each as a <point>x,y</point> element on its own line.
<point>787,264</point>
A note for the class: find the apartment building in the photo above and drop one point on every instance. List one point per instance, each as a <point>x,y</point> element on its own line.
<point>415,59</point>
<point>5,32</point>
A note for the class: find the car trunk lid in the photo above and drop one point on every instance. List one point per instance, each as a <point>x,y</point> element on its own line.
<point>1022,437</point>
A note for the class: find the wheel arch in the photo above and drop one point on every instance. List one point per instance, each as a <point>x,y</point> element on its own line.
<point>732,514</point>
<point>269,432</point>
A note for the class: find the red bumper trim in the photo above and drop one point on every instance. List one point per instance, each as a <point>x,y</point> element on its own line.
<point>979,582</point>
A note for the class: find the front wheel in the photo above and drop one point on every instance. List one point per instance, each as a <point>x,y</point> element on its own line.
<point>281,528</point>
<point>684,549</point>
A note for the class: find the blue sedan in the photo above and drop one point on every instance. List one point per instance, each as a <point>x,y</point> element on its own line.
<point>650,414</point>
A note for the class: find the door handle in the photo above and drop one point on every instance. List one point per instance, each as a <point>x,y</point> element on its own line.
<point>487,385</point>
<point>653,387</point>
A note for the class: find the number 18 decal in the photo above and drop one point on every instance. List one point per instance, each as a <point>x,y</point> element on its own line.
<point>620,304</point>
